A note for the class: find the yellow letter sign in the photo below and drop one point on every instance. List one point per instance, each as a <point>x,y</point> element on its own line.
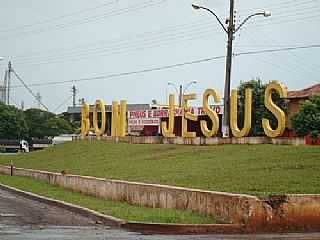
<point>118,121</point>
<point>277,112</point>
<point>167,131</point>
<point>99,105</point>
<point>211,114</point>
<point>85,122</point>
<point>234,114</point>
<point>187,116</point>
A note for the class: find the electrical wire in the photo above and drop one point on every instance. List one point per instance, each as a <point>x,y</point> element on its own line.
<point>158,32</point>
<point>113,13</point>
<point>143,6</point>
<point>128,42</point>
<point>121,46</point>
<point>274,8</point>
<point>284,19</point>
<point>54,50</point>
<point>29,90</point>
<point>297,61</point>
<point>53,19</point>
<point>125,73</point>
<point>63,103</point>
<point>14,101</point>
<point>119,50</point>
<point>172,66</point>
<point>278,50</point>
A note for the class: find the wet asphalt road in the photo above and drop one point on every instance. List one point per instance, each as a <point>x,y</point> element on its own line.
<point>25,219</point>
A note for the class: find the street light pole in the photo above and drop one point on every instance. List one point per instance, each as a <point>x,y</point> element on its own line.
<point>226,100</point>
<point>231,30</point>
<point>181,91</point>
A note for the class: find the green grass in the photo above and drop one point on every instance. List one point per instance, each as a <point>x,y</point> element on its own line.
<point>252,169</point>
<point>119,210</point>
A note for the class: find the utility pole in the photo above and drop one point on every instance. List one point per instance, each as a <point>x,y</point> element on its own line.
<point>230,30</point>
<point>9,82</point>
<point>74,94</point>
<point>4,97</point>
<point>226,99</point>
<point>180,95</point>
<point>38,98</point>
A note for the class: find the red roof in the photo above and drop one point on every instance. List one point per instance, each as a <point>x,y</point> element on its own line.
<point>305,93</point>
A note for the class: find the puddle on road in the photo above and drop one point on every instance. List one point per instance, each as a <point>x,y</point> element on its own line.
<point>8,215</point>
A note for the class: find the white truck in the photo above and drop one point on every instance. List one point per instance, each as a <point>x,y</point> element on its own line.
<point>13,145</point>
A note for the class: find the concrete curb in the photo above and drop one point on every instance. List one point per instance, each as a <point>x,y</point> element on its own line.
<point>95,216</point>
<point>184,229</point>
<point>146,228</point>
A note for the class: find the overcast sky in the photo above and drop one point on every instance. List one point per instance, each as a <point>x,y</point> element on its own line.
<point>54,41</point>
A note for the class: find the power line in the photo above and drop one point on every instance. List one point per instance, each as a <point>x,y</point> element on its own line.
<point>174,31</point>
<point>297,61</point>
<point>117,39</point>
<point>273,63</point>
<point>267,45</point>
<point>130,37</point>
<point>64,102</point>
<point>280,67</point>
<point>90,19</point>
<point>120,50</point>
<point>59,17</point>
<point>29,90</point>
<point>143,6</point>
<point>285,19</point>
<point>128,43</point>
<point>120,46</point>
<point>126,73</point>
<point>172,66</point>
<point>14,101</point>
<point>278,50</point>
<point>281,5</point>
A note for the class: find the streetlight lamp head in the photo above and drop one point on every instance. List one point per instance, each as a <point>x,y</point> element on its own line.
<point>195,6</point>
<point>266,14</point>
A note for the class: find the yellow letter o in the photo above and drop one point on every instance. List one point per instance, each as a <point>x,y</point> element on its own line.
<point>99,105</point>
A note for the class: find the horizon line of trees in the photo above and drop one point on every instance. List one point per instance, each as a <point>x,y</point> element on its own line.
<point>31,123</point>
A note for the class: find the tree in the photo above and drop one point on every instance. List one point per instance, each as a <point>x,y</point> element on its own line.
<point>13,124</point>
<point>258,107</point>
<point>37,121</point>
<point>44,124</point>
<point>307,120</point>
<point>57,126</point>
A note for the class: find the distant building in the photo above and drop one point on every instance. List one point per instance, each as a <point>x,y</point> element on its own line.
<point>295,99</point>
<point>145,119</point>
<point>74,114</point>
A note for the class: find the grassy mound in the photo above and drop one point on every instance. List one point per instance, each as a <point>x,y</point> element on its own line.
<point>251,169</point>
